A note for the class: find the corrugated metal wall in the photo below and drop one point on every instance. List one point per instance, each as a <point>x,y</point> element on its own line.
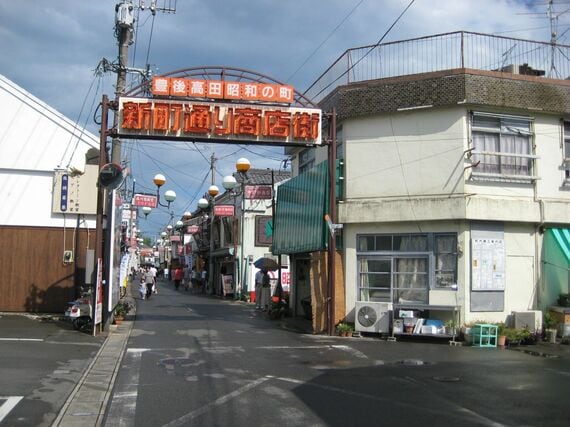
<point>299,218</point>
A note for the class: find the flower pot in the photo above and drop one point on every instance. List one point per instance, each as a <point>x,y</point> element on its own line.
<point>501,340</point>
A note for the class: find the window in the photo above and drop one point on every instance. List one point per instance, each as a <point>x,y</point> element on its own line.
<point>445,252</point>
<point>502,147</point>
<point>306,159</point>
<point>401,268</point>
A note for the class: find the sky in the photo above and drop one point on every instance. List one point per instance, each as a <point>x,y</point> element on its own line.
<point>51,48</point>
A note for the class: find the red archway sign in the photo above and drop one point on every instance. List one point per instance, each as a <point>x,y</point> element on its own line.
<point>221,105</point>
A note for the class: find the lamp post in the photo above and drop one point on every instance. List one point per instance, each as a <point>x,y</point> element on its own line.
<point>203,203</point>
<point>242,166</point>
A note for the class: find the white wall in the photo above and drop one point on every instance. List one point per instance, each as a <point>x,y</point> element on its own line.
<point>34,141</point>
<point>405,154</point>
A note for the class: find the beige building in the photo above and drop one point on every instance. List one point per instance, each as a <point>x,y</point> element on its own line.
<point>456,199</point>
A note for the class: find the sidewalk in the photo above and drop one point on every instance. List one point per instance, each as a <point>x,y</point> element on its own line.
<point>87,402</point>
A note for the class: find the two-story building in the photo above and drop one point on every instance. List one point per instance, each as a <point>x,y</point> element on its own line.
<point>456,195</point>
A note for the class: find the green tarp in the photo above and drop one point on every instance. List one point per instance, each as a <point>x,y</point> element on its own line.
<point>299,218</point>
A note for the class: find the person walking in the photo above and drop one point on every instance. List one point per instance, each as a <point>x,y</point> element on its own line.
<point>154,273</point>
<point>258,287</point>
<point>265,290</point>
<point>178,277</point>
<point>149,281</point>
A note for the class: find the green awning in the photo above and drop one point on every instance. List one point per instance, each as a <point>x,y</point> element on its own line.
<point>562,237</point>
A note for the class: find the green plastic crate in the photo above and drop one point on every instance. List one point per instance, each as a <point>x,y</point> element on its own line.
<point>484,335</point>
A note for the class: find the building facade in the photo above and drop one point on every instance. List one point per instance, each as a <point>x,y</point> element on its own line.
<point>455,193</point>
<point>48,170</point>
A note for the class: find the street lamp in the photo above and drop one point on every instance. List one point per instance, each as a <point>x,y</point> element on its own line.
<point>230,183</point>
<point>203,203</point>
<point>169,195</point>
<point>146,210</point>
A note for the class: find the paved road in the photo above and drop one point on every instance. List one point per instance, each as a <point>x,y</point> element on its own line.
<point>41,361</point>
<point>196,360</point>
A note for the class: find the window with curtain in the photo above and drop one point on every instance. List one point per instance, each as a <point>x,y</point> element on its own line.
<point>502,146</point>
<point>445,251</point>
<point>402,268</point>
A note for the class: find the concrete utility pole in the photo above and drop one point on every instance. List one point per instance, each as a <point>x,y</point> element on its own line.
<point>124,31</point>
<point>124,21</point>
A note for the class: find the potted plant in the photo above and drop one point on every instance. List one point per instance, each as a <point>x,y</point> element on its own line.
<point>121,310</point>
<point>344,329</point>
<point>549,327</point>
<point>501,335</point>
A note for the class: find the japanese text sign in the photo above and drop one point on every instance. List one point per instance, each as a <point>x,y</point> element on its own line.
<point>192,229</point>
<point>218,89</point>
<point>262,192</point>
<point>147,118</point>
<point>143,200</point>
<point>224,210</point>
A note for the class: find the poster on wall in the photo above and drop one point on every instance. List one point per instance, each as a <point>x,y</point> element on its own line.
<point>227,284</point>
<point>488,264</point>
<point>263,230</point>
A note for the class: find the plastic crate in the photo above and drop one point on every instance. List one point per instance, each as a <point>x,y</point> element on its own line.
<point>484,335</point>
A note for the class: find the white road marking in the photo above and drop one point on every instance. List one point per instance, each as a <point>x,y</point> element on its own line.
<point>8,405</point>
<point>21,339</point>
<point>185,419</point>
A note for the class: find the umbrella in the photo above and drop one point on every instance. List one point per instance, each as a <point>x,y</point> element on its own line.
<point>266,263</point>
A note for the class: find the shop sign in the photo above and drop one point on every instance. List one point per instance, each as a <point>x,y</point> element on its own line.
<point>145,200</point>
<point>220,89</point>
<point>192,229</point>
<point>166,119</point>
<point>262,192</point>
<point>224,210</point>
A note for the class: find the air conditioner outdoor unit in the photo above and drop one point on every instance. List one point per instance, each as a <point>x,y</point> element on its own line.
<point>372,316</point>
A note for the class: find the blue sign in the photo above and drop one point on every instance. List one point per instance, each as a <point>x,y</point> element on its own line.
<point>64,192</point>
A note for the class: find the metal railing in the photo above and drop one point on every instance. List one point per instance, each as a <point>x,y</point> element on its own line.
<point>440,52</point>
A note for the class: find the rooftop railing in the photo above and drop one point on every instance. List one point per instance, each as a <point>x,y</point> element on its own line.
<point>440,52</point>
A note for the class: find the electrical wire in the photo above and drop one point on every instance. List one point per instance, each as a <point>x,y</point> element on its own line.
<point>367,53</point>
<point>324,41</point>
<point>75,127</point>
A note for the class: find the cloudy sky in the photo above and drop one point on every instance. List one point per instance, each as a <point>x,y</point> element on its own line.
<point>51,48</point>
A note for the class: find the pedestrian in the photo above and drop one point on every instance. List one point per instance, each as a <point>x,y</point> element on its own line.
<point>258,286</point>
<point>149,282</point>
<point>265,290</point>
<point>166,273</point>
<point>142,288</point>
<point>178,276</point>
<point>154,273</point>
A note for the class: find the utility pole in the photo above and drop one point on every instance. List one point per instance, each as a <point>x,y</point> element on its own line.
<point>212,224</point>
<point>124,31</point>
<point>124,21</point>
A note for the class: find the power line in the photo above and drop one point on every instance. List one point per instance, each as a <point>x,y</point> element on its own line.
<point>324,41</point>
<point>367,53</point>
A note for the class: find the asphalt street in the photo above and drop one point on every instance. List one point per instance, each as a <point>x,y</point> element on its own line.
<point>187,359</point>
<point>41,361</point>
